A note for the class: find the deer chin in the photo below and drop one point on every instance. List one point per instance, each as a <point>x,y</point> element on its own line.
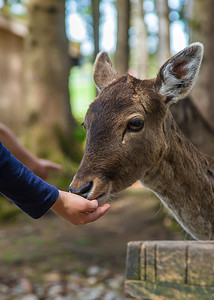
<point>102,197</point>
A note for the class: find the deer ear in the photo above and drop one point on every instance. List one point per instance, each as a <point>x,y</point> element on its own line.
<point>178,75</point>
<point>104,73</point>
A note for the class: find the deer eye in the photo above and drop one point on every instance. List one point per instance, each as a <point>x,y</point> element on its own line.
<point>135,125</point>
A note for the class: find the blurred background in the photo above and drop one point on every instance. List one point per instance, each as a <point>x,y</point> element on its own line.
<point>47,50</point>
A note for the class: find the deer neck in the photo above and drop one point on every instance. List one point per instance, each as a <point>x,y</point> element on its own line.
<point>184,181</point>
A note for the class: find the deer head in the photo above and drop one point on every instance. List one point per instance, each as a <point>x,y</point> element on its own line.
<point>127,123</point>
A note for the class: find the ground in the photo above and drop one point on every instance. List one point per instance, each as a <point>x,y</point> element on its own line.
<point>50,249</point>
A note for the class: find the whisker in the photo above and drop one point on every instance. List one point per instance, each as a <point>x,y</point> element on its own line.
<point>157,212</point>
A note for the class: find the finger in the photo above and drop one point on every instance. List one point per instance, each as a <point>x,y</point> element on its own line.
<point>51,165</point>
<point>91,205</point>
<point>99,212</point>
<point>56,167</point>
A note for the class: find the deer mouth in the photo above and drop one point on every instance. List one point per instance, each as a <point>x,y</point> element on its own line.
<point>93,189</point>
<point>102,198</point>
<point>100,191</point>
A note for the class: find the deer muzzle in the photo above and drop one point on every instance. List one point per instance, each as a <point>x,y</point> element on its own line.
<point>91,188</point>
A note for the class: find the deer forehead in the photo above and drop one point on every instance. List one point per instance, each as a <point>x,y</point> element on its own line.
<point>123,99</point>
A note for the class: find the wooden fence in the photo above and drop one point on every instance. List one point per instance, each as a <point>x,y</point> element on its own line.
<point>174,270</point>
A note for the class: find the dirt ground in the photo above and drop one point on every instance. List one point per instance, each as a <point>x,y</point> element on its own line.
<point>33,248</point>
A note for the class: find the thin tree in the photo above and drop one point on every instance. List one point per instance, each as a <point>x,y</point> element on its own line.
<point>141,60</point>
<point>121,59</point>
<point>96,23</point>
<point>163,52</point>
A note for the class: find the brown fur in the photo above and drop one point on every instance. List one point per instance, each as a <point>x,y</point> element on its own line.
<point>159,154</point>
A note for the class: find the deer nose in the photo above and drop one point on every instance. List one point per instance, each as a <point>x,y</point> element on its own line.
<point>83,190</point>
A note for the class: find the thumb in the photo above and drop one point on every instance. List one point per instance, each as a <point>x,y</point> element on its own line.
<point>91,205</point>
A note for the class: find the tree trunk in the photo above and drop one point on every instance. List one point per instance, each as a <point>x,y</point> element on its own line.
<point>96,23</point>
<point>48,116</point>
<point>195,115</point>
<point>12,34</point>
<point>194,125</point>
<point>164,31</point>
<point>121,59</point>
<point>203,31</point>
<point>141,54</point>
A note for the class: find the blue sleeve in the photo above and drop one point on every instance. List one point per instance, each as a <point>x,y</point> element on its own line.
<point>29,192</point>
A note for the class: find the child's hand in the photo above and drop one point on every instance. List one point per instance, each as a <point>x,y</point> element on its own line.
<point>78,210</point>
<point>43,167</point>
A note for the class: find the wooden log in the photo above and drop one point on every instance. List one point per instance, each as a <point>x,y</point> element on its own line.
<point>148,262</point>
<point>164,291</point>
<point>171,264</point>
<point>133,261</point>
<point>201,265</point>
<point>170,270</point>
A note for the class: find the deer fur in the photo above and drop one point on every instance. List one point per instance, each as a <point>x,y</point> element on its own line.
<point>158,154</point>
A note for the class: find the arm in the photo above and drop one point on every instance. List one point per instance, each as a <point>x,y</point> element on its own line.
<point>35,197</point>
<point>28,191</point>
<point>40,167</point>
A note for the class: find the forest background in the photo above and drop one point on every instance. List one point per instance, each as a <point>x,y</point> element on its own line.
<point>47,50</point>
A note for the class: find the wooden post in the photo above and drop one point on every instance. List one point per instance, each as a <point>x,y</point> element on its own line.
<point>170,270</point>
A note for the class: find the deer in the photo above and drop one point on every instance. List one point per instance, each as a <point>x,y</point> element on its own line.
<point>131,135</point>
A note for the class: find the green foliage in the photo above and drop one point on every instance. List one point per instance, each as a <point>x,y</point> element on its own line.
<point>5,10</point>
<point>70,145</point>
<point>195,24</point>
<point>10,257</point>
<point>14,8</point>
<point>8,211</point>
<point>82,90</point>
<point>79,132</point>
<point>35,240</point>
<point>63,180</point>
<point>85,241</point>
<point>152,65</point>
